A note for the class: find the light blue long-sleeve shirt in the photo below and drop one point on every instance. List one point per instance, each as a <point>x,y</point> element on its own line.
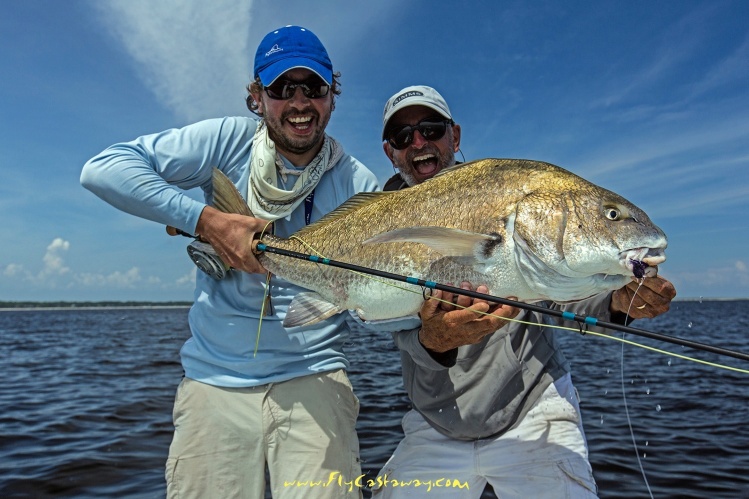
<point>147,177</point>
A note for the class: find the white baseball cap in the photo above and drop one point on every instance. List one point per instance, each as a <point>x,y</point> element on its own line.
<point>417,95</point>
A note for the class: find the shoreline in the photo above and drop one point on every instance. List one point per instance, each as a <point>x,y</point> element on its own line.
<point>52,309</point>
<point>89,305</point>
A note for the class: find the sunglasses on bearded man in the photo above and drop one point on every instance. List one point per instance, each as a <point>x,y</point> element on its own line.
<point>312,88</point>
<point>430,128</point>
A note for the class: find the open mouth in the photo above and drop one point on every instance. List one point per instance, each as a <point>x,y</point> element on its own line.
<point>426,164</point>
<point>300,123</point>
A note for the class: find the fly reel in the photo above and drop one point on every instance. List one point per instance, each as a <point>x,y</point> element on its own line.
<point>207,260</point>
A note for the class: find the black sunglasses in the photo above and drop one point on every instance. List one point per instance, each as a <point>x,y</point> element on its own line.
<point>430,128</point>
<point>314,88</point>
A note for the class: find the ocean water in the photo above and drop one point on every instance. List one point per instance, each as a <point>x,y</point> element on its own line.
<point>86,399</point>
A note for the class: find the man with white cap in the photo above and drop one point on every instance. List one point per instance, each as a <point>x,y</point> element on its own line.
<point>493,401</point>
<point>432,149</point>
<point>250,399</point>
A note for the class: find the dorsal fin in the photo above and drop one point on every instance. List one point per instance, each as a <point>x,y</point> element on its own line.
<point>226,197</point>
<point>351,204</point>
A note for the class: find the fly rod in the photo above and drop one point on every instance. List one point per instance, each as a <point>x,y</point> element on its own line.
<point>496,299</point>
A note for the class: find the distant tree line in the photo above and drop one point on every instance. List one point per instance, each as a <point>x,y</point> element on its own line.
<point>81,304</point>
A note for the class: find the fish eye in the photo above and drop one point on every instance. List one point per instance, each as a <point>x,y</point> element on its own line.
<point>612,213</point>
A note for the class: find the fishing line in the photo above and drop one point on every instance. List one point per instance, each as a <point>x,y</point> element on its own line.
<point>656,350</point>
<point>624,398</point>
<point>623,340</point>
<point>527,306</point>
<point>603,336</point>
<point>267,306</point>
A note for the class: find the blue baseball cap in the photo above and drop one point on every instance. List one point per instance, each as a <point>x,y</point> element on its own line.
<point>288,48</point>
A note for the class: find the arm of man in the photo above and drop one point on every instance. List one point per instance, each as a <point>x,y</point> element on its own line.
<point>147,177</point>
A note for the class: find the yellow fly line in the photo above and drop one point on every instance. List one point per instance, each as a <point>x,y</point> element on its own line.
<point>601,335</point>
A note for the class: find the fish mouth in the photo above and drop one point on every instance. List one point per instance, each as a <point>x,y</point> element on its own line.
<point>642,262</point>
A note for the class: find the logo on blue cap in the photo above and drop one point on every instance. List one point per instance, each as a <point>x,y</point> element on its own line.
<point>273,50</point>
<point>288,48</point>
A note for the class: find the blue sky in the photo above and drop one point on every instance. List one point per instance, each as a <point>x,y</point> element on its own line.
<point>648,99</point>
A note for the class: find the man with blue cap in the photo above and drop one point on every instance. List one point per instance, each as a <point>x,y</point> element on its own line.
<point>253,399</point>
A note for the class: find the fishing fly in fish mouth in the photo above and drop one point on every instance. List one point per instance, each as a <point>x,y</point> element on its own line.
<point>639,268</point>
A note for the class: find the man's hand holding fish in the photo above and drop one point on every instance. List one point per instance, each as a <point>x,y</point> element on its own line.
<point>445,326</point>
<point>645,301</point>
<point>231,236</point>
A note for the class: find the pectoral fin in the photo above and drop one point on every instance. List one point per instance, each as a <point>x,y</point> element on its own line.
<point>309,308</point>
<point>448,242</point>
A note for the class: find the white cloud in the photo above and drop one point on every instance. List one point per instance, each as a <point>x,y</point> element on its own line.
<point>197,57</point>
<point>13,269</point>
<point>53,262</point>
<point>116,279</point>
<point>56,274</point>
<point>193,55</point>
<point>53,266</point>
<point>187,279</point>
<point>715,201</point>
<point>730,70</point>
<point>667,57</point>
<point>719,276</point>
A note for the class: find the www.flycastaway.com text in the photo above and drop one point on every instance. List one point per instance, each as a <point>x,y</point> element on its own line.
<point>335,479</point>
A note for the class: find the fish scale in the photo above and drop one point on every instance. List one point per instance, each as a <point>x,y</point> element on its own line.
<point>523,228</point>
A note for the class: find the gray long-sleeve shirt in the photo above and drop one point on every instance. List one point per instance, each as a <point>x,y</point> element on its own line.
<point>477,391</point>
<point>486,388</point>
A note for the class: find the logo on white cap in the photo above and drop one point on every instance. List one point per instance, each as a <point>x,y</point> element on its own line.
<point>406,95</point>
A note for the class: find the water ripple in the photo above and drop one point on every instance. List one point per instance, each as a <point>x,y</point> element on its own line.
<point>86,400</point>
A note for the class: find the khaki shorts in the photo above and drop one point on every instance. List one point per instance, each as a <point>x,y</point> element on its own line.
<point>303,429</point>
